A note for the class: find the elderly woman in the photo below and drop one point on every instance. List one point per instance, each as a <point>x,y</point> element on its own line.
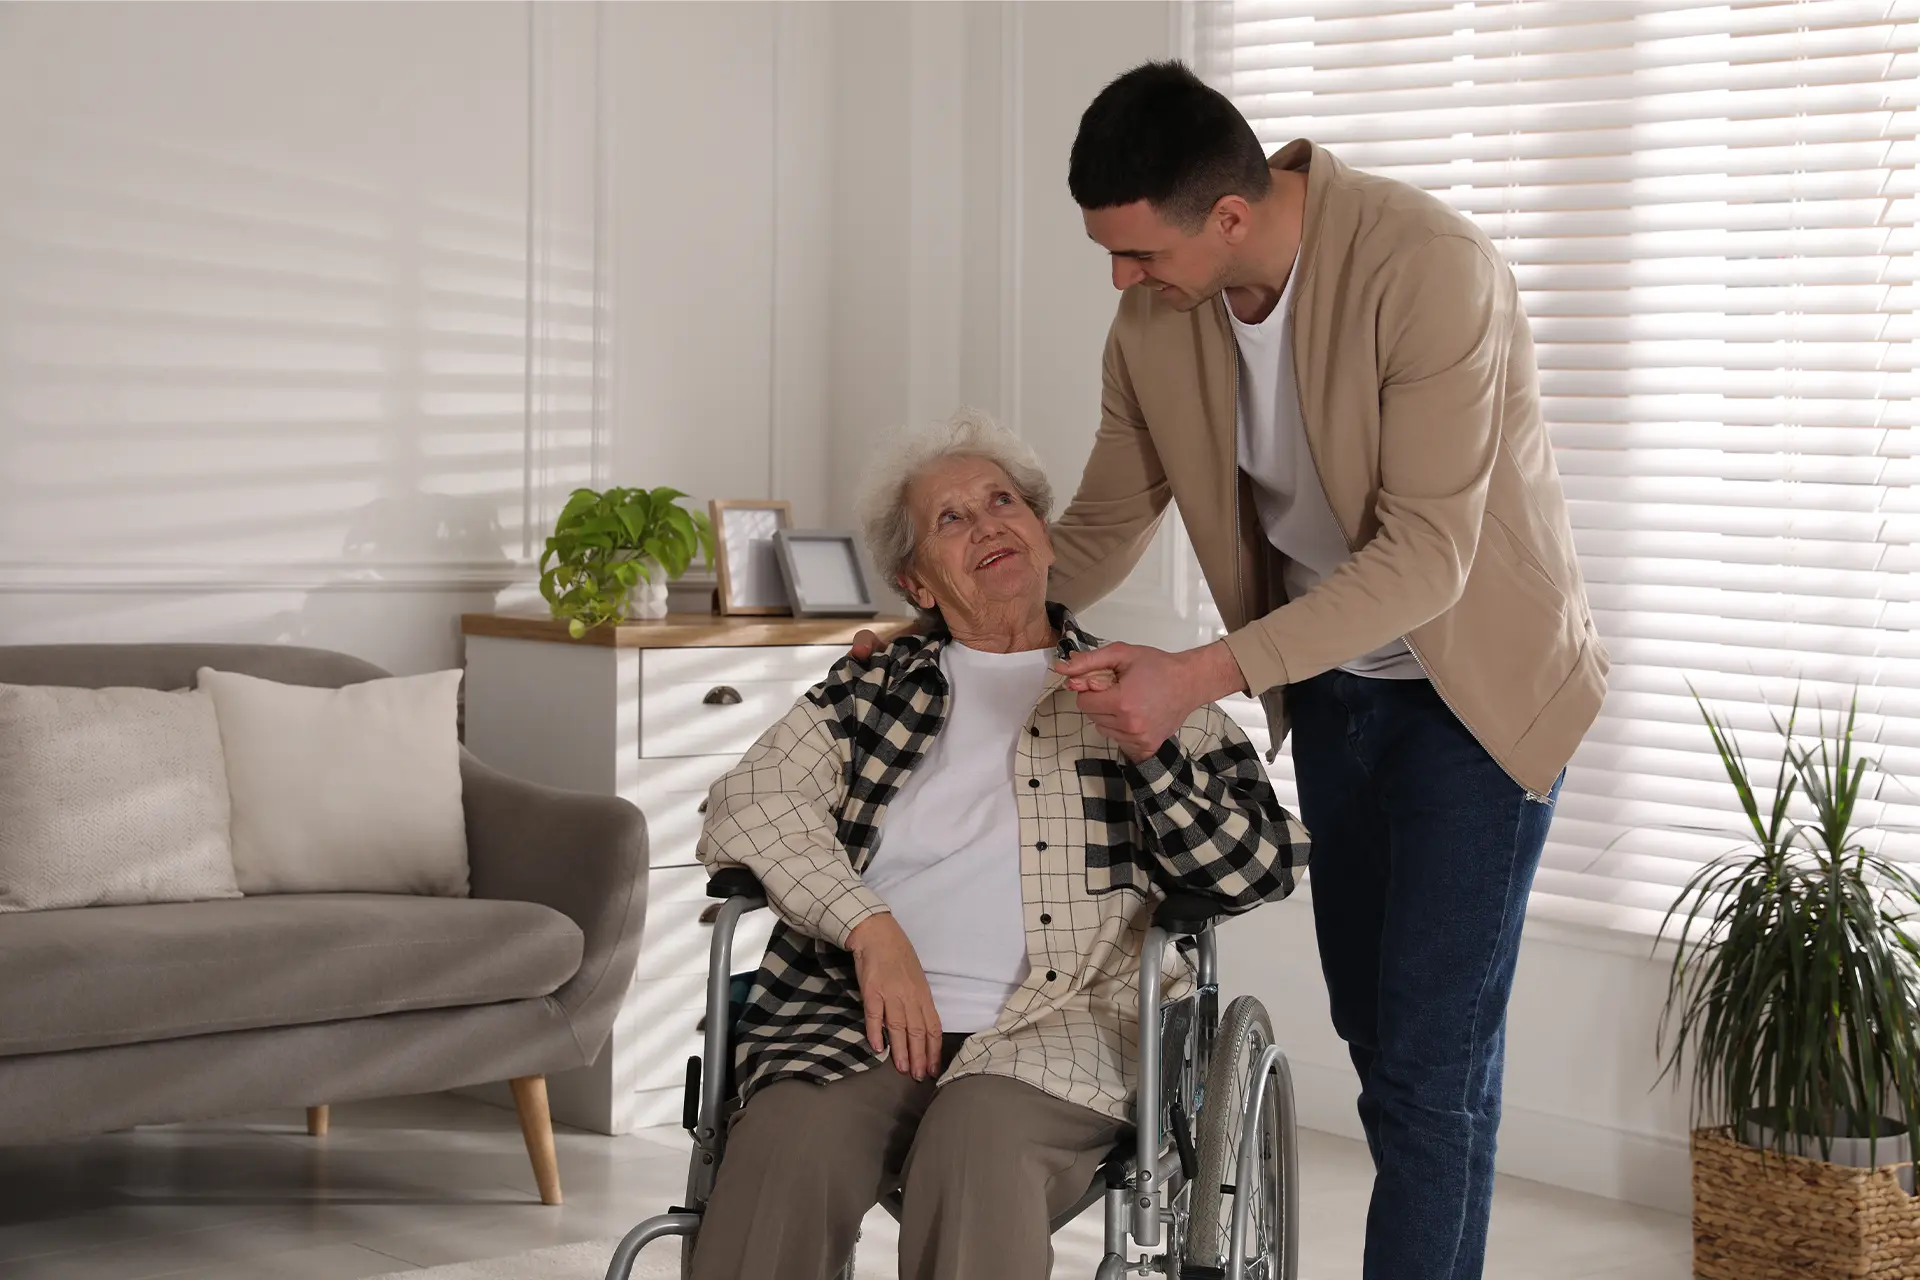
<point>964,869</point>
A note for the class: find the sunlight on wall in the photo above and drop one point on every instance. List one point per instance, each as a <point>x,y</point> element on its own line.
<point>265,295</point>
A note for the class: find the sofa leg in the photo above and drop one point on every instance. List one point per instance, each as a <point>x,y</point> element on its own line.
<point>317,1121</point>
<point>536,1126</point>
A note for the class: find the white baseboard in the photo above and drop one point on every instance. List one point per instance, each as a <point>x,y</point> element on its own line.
<point>1650,1169</point>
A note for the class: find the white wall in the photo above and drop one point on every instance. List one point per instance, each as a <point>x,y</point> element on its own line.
<point>963,271</point>
<point>311,314</point>
<point>323,308</point>
<point>721,166</point>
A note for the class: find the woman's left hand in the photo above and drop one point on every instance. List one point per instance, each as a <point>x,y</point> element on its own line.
<point>901,1017</point>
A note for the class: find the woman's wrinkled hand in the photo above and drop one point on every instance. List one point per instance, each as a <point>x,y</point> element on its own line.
<point>899,1003</point>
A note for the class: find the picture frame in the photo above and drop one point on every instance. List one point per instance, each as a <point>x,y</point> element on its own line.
<point>827,574</point>
<point>746,563</point>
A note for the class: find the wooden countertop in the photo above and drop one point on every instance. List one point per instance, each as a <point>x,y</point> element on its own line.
<point>684,630</point>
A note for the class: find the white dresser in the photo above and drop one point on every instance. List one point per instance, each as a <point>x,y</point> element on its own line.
<point>653,712</point>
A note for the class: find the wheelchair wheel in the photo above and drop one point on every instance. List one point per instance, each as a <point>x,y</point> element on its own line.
<point>1245,1033</point>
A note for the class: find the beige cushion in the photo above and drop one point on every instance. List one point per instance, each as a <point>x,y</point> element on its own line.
<point>110,796</point>
<point>123,975</point>
<point>349,790</point>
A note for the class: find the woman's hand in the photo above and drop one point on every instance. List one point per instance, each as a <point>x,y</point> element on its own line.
<point>900,1012</point>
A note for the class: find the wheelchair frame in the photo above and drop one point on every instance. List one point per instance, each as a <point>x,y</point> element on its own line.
<point>1142,1182</point>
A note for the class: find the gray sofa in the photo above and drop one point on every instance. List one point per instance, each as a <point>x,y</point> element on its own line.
<point>116,1016</point>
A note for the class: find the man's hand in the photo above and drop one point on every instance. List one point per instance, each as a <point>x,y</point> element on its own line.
<point>867,642</point>
<point>1140,696</point>
<point>900,1012</point>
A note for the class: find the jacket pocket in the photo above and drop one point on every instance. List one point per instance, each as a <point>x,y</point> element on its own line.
<point>1510,641</point>
<point>1115,860</point>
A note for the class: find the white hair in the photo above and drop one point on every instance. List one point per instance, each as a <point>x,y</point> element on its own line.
<point>884,517</point>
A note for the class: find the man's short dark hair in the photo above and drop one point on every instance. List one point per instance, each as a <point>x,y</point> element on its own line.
<point>1161,134</point>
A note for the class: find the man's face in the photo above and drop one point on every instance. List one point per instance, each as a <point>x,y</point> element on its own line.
<point>1184,268</point>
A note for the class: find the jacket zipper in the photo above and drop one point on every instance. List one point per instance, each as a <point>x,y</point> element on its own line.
<point>1407,640</point>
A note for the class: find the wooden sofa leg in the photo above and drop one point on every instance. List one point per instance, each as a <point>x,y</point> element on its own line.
<point>317,1121</point>
<point>536,1126</point>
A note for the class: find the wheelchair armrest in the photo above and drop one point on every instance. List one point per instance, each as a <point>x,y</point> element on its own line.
<point>1182,913</point>
<point>734,882</point>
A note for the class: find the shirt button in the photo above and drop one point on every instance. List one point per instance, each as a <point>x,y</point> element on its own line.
<point>1045,918</point>
<point>1040,845</point>
<point>1034,730</point>
<point>1051,975</point>
<point>1033,782</point>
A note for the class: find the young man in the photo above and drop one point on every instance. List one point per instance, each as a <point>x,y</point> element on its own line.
<point>1332,376</point>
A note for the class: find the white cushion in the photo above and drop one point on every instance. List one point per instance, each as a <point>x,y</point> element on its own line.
<point>110,797</point>
<point>352,790</point>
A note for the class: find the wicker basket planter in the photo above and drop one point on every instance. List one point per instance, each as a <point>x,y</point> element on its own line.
<point>1775,1217</point>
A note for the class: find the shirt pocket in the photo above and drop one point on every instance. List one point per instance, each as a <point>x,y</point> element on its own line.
<point>1115,860</point>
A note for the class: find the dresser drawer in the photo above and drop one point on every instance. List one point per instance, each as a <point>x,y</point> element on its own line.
<point>672,792</point>
<point>665,1016</point>
<point>677,940</point>
<point>673,825</point>
<point>717,701</point>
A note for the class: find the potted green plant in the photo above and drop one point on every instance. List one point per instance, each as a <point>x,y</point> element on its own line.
<point>613,553</point>
<point>1794,1003</point>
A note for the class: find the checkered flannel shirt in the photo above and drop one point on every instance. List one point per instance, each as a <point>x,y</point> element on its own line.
<point>1102,840</point>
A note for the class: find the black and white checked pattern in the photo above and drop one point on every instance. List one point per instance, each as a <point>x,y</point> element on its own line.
<point>1102,841</point>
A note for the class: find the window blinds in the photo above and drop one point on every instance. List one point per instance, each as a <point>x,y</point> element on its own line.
<point>1710,212</point>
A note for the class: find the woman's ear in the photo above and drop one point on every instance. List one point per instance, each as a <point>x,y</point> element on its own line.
<point>916,591</point>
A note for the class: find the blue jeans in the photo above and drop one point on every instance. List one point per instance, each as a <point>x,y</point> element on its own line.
<point>1423,854</point>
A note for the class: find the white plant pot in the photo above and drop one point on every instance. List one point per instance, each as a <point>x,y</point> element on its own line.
<point>649,598</point>
<point>1850,1153</point>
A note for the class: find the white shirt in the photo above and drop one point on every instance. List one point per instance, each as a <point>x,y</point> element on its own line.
<point>948,859</point>
<point>1272,451</point>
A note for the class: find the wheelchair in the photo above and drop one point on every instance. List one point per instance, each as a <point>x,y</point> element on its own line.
<point>1205,1186</point>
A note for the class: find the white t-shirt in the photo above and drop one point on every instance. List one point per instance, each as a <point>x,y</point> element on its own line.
<point>948,858</point>
<point>1273,453</point>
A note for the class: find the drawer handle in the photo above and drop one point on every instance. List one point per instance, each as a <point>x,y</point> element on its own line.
<point>722,695</point>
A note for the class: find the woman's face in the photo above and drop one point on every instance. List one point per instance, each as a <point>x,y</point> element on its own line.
<point>980,553</point>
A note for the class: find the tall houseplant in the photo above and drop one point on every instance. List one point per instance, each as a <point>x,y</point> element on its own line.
<point>1794,1001</point>
<point>607,544</point>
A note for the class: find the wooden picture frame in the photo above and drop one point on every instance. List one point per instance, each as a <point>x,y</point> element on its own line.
<point>827,574</point>
<point>745,559</point>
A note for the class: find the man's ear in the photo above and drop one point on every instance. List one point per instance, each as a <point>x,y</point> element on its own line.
<point>1232,218</point>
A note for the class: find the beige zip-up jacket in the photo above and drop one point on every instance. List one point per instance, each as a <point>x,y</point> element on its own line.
<point>1422,410</point>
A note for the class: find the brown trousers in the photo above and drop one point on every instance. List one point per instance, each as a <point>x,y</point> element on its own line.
<point>985,1164</point>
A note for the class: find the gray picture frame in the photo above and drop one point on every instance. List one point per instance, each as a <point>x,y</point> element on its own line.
<point>810,595</point>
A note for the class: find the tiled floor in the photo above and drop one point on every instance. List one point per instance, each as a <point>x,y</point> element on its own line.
<point>424,1181</point>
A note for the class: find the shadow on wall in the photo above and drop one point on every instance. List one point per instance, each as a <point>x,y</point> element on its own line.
<point>248,401</point>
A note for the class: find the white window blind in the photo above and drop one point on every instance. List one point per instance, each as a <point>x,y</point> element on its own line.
<point>1710,212</point>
